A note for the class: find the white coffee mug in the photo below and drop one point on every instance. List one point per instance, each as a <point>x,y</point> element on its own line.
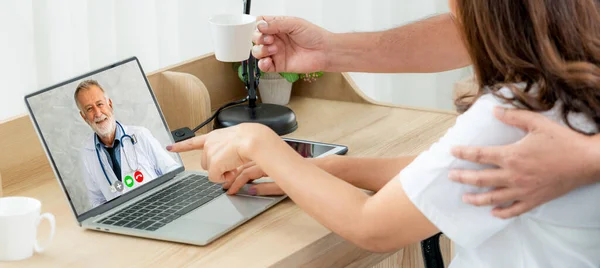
<point>19,220</point>
<point>232,36</point>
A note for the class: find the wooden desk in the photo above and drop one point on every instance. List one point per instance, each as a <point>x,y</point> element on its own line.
<point>283,236</point>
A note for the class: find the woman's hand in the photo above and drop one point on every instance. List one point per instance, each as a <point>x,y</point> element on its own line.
<point>247,174</point>
<point>224,150</point>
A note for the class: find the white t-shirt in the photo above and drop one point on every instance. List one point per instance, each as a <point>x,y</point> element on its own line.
<point>564,232</point>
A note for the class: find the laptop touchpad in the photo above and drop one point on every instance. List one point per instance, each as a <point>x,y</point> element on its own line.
<point>228,209</point>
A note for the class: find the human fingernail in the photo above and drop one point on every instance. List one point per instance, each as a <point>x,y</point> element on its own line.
<point>266,39</point>
<point>257,49</point>
<point>263,26</point>
<point>252,191</point>
<point>169,147</point>
<point>272,49</point>
<point>264,64</point>
<point>467,199</point>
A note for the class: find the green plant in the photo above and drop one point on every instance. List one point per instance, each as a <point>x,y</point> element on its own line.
<point>290,77</point>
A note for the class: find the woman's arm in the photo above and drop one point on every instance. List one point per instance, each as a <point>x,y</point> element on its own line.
<point>404,211</point>
<point>384,222</point>
<point>365,173</point>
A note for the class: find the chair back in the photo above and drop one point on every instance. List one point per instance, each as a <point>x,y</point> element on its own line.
<point>183,99</point>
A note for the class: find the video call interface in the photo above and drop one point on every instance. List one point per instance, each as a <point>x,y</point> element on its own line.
<point>104,134</point>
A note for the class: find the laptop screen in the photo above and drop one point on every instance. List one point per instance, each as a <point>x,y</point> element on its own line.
<point>104,133</point>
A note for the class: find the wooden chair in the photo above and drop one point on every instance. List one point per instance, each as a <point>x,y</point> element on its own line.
<point>171,88</point>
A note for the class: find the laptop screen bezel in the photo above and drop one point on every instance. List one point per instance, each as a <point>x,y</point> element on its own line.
<point>123,198</point>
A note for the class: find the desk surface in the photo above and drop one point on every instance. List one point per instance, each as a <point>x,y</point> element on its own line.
<point>283,236</point>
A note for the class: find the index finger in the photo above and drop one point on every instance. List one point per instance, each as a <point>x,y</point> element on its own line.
<point>483,155</point>
<point>196,143</point>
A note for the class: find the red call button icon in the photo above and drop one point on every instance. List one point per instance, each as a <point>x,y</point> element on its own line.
<point>138,176</point>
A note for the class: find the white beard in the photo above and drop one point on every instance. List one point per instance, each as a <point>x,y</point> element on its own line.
<point>104,129</point>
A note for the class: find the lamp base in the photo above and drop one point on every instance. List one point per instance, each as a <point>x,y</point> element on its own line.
<point>279,118</point>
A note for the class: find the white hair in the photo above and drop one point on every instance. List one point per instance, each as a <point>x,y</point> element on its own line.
<point>87,84</point>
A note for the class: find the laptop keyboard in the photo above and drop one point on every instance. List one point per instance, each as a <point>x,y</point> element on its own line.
<point>166,205</point>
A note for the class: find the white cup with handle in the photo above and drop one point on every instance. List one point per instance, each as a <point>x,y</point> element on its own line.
<point>232,36</point>
<point>19,220</point>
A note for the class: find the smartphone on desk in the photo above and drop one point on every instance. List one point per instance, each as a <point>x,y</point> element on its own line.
<point>312,149</point>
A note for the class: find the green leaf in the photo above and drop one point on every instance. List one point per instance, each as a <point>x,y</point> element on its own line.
<point>241,73</point>
<point>290,77</point>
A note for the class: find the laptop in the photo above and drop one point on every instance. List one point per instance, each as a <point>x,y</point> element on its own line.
<point>106,147</point>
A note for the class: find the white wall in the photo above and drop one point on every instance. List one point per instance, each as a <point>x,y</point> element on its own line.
<point>47,41</point>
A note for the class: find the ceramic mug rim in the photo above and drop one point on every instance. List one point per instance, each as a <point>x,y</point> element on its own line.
<point>31,206</point>
<point>212,20</point>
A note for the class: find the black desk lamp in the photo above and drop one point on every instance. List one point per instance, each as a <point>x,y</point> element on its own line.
<point>279,118</point>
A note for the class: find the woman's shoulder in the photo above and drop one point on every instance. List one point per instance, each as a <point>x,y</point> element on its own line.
<point>503,96</point>
<point>479,127</point>
<point>483,107</point>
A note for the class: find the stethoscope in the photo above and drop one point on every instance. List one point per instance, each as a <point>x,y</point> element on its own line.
<point>133,140</point>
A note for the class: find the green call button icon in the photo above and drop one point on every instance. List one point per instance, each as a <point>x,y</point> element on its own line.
<point>129,181</point>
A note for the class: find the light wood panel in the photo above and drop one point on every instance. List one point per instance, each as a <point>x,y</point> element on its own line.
<point>331,86</point>
<point>332,251</point>
<point>184,100</point>
<point>412,256</point>
<point>22,158</point>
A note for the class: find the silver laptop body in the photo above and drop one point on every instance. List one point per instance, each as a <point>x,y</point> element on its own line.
<point>199,226</point>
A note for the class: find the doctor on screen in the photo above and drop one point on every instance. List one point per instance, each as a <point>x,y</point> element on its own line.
<point>115,158</point>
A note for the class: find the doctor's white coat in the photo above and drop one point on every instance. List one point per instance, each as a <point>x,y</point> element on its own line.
<point>153,161</point>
